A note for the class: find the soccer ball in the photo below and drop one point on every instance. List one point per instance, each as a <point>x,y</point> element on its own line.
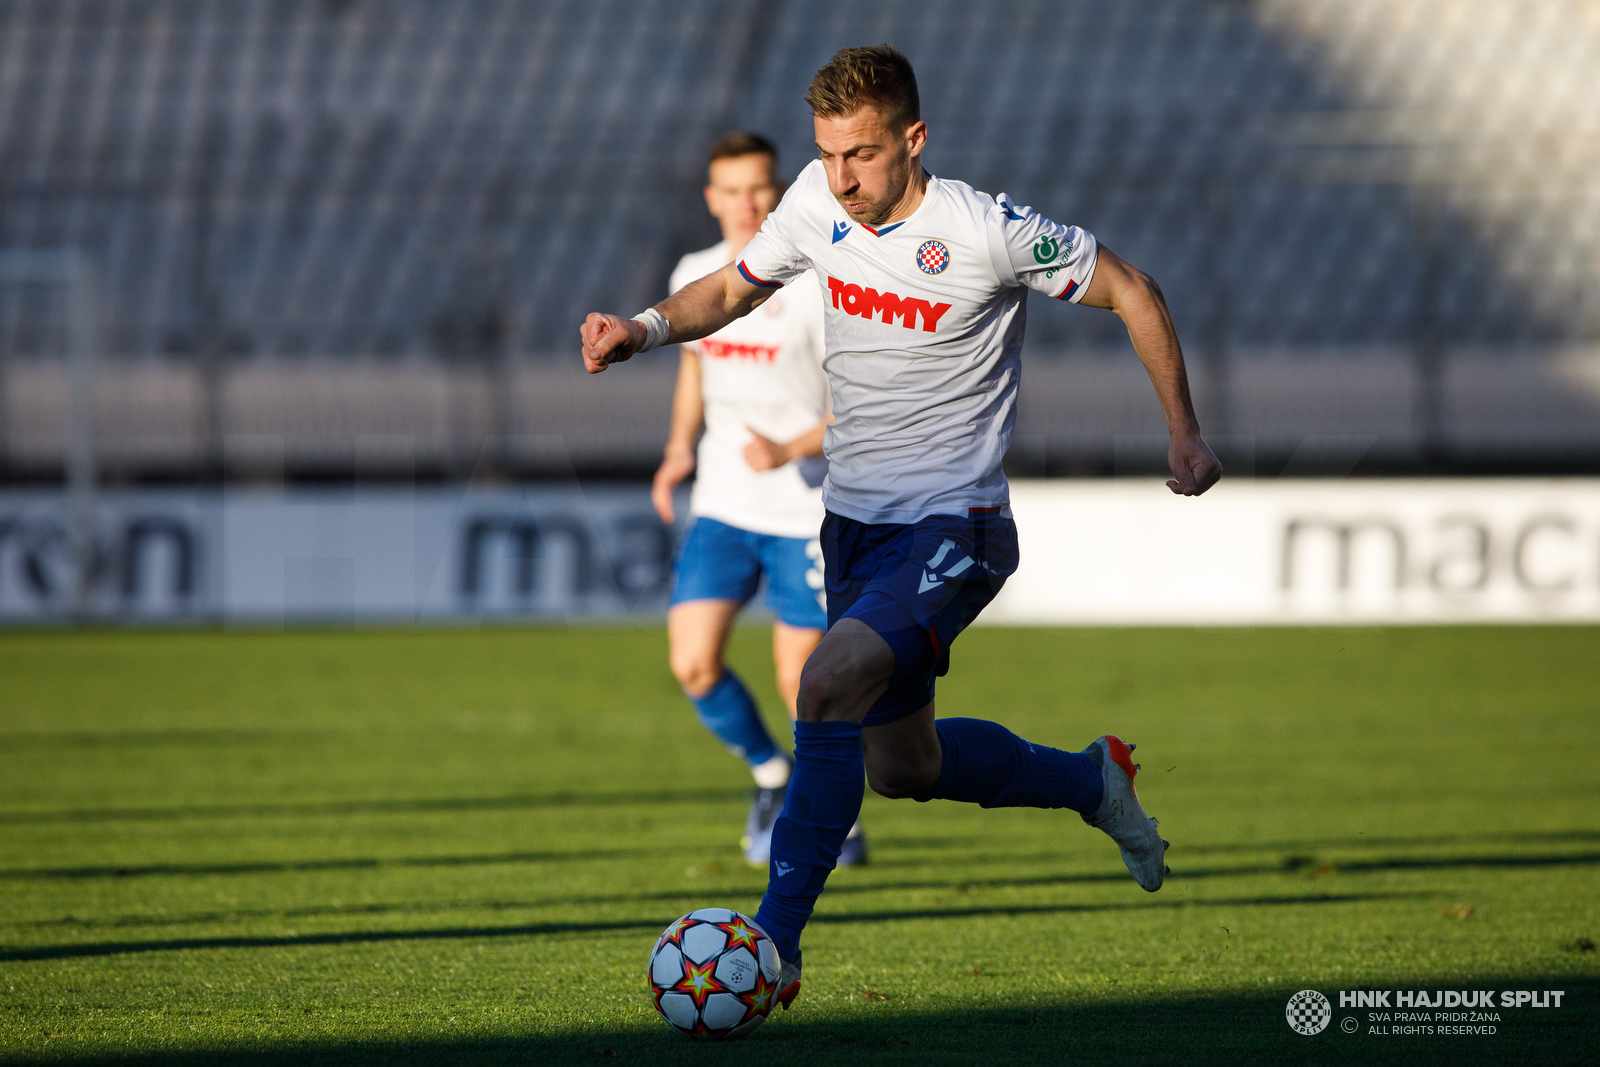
<point>714,974</point>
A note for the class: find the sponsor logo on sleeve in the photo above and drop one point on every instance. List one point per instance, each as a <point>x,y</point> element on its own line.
<point>1047,248</point>
<point>853,299</point>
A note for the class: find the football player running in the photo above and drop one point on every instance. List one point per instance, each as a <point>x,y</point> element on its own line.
<point>924,282</point>
<point>757,389</point>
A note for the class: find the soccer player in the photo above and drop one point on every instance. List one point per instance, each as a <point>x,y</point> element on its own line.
<point>924,282</point>
<point>758,390</point>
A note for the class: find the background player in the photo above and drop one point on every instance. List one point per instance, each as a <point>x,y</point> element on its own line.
<point>757,388</point>
<point>926,282</point>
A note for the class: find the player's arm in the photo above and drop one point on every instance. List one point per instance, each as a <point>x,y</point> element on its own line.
<point>1136,299</point>
<point>763,453</point>
<point>688,416</point>
<point>698,309</point>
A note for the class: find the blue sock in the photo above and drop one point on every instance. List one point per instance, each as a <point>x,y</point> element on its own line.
<point>822,804</point>
<point>727,710</point>
<point>986,764</point>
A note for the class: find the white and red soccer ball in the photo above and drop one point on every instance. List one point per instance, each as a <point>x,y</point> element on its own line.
<point>714,974</point>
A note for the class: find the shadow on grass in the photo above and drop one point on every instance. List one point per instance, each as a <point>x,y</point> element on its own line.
<point>970,846</point>
<point>1290,864</point>
<point>839,886</point>
<point>352,864</point>
<point>1218,1029</point>
<point>652,925</point>
<point>423,805</point>
<point>957,841</point>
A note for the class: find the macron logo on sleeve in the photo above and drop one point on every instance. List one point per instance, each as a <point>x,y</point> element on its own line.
<point>852,299</point>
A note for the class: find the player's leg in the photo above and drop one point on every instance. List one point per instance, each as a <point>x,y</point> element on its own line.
<point>876,667</point>
<point>791,647</point>
<point>697,634</point>
<point>908,753</point>
<point>715,574</point>
<point>850,667</point>
<point>795,579</point>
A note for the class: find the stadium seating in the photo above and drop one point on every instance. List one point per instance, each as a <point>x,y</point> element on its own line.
<point>385,217</point>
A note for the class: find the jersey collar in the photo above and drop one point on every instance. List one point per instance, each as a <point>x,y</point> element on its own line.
<point>885,230</point>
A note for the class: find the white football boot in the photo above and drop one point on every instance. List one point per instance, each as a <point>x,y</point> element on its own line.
<point>1121,816</point>
<point>788,973</point>
<point>788,983</point>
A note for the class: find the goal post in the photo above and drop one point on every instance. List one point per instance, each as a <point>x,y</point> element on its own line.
<point>72,270</point>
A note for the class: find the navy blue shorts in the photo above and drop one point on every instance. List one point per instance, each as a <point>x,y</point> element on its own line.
<point>721,562</point>
<point>917,585</point>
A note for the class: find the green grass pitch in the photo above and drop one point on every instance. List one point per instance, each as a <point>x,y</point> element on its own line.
<point>458,847</point>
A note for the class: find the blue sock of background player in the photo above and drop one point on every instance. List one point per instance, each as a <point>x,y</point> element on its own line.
<point>981,763</point>
<point>728,710</point>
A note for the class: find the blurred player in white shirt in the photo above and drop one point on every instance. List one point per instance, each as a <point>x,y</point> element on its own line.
<point>757,389</point>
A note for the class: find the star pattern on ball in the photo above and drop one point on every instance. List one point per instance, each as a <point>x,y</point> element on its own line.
<point>741,933</point>
<point>674,933</point>
<point>761,999</point>
<point>699,981</point>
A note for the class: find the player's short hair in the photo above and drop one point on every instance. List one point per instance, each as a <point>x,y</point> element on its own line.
<point>740,143</point>
<point>879,76</point>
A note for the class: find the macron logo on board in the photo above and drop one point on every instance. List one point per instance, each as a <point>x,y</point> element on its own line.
<point>852,299</point>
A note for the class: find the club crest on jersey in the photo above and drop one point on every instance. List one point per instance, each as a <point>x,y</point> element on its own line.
<point>933,257</point>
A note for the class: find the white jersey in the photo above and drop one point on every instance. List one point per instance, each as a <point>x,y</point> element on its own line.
<point>924,337</point>
<point>761,372</point>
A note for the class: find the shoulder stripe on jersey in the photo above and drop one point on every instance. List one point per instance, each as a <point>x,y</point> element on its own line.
<point>886,229</point>
<point>1066,294</point>
<point>753,280</point>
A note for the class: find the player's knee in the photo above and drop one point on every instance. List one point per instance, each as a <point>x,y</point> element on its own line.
<point>818,695</point>
<point>695,672</point>
<point>830,691</point>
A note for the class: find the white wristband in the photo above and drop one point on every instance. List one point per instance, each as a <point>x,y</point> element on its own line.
<point>655,327</point>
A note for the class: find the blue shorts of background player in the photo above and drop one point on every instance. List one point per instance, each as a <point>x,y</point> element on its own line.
<point>917,585</point>
<point>722,562</point>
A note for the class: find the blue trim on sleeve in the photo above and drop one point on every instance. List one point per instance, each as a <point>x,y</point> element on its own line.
<point>753,280</point>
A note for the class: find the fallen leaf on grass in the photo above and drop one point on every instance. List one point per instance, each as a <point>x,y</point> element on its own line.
<point>873,994</point>
<point>1460,911</point>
